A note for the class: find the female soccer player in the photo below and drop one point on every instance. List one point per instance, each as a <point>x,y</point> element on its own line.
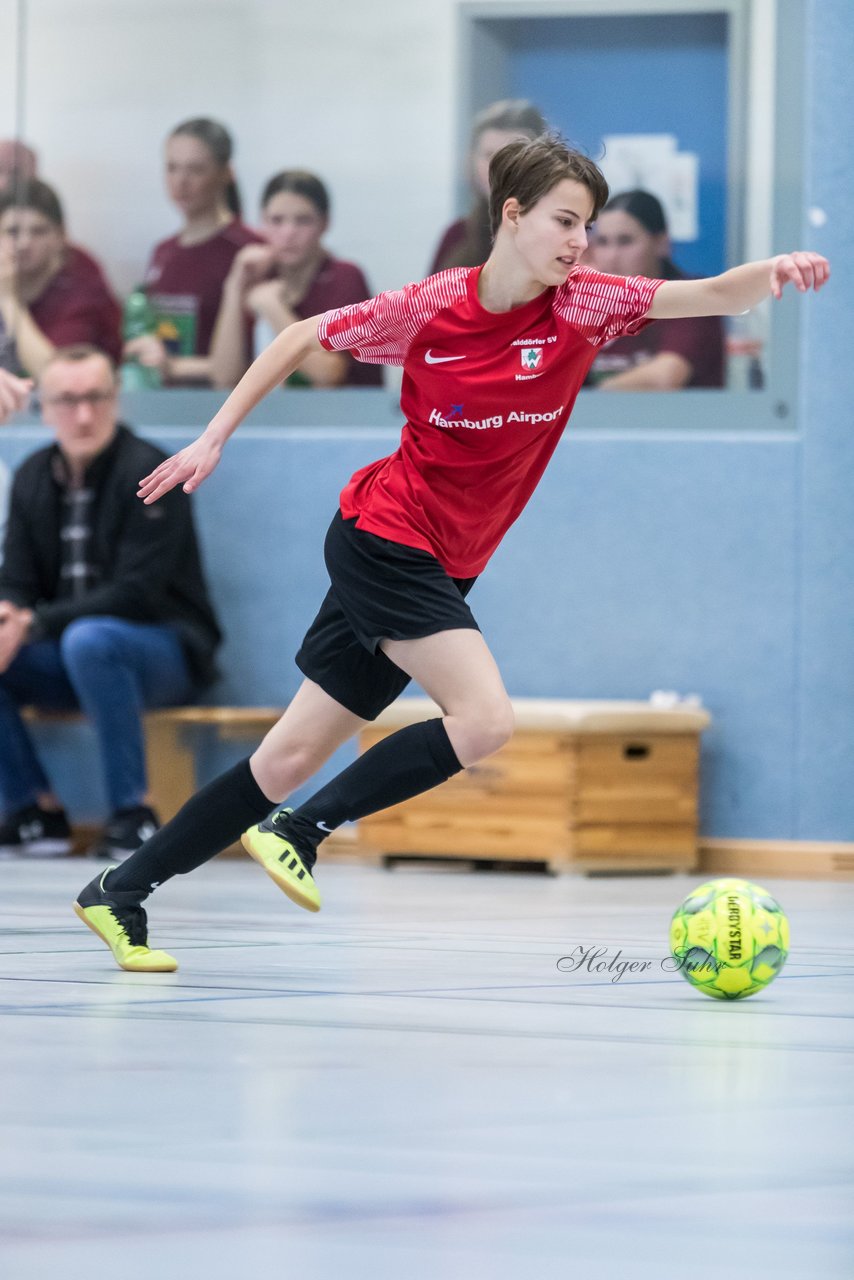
<point>493,359</point>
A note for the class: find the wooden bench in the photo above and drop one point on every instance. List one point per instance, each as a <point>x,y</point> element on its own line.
<point>610,786</point>
<point>170,750</point>
<point>171,739</point>
<point>590,786</point>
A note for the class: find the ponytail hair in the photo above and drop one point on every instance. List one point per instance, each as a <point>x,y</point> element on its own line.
<point>510,115</point>
<point>218,141</point>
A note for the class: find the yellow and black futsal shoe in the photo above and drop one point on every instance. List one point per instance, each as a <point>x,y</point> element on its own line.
<point>268,844</point>
<point>120,921</point>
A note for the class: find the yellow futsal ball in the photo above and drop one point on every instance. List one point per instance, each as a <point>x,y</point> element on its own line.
<point>730,938</point>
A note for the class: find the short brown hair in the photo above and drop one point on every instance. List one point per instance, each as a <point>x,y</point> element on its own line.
<point>529,170</point>
<point>75,353</point>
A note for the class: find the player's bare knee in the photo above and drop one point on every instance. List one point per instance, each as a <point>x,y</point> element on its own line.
<point>285,770</point>
<point>488,727</point>
<point>501,726</point>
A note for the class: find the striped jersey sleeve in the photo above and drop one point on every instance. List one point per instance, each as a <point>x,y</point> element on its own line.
<point>603,307</point>
<point>382,329</point>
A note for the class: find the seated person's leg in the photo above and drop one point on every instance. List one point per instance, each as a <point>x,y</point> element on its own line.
<point>118,670</point>
<point>34,822</point>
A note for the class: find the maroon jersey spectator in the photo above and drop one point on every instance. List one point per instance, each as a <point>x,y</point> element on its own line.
<point>77,306</point>
<point>289,278</point>
<point>184,283</point>
<point>697,342</point>
<point>631,239</point>
<point>453,240</point>
<point>186,273</point>
<point>51,294</point>
<point>467,242</point>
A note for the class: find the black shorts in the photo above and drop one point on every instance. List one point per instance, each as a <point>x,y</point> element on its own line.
<point>380,590</point>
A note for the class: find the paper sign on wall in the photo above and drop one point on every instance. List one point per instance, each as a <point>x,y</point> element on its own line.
<point>654,162</point>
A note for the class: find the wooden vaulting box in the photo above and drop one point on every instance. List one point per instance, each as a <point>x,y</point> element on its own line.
<point>609,786</point>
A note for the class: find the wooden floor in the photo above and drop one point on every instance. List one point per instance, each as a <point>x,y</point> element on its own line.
<point>407,1086</point>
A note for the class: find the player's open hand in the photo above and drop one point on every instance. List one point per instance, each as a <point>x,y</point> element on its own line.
<point>188,468</point>
<point>805,270</point>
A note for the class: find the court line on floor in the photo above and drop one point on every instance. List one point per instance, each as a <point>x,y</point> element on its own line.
<point>456,993</point>
<point>147,1010</point>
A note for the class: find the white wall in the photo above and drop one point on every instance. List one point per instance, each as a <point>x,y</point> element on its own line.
<point>362,91</point>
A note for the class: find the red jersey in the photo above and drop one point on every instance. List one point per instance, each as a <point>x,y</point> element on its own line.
<point>486,397</point>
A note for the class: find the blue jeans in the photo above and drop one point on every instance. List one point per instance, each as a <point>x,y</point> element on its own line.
<point>110,669</point>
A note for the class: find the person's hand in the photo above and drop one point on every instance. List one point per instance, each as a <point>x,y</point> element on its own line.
<point>804,269</point>
<point>8,274</point>
<point>149,351</point>
<point>15,625</point>
<point>251,265</point>
<point>188,468</point>
<point>292,293</point>
<point>14,394</point>
<point>267,300</point>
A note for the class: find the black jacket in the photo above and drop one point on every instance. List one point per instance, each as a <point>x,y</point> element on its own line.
<point>148,557</point>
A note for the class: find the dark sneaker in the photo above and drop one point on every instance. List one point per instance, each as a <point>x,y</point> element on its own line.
<point>268,843</point>
<point>125,832</point>
<point>119,920</point>
<point>36,832</point>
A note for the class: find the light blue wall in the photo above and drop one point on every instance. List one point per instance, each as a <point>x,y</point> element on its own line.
<point>824,714</point>
<point>710,562</point>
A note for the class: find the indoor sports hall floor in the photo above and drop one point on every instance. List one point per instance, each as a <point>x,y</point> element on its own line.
<point>407,1086</point>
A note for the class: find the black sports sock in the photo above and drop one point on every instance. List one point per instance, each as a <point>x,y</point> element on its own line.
<point>413,760</point>
<point>208,823</point>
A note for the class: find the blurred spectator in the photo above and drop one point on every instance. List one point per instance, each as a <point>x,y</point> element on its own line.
<point>103,606</point>
<point>289,278</point>
<point>631,240</point>
<point>186,274</point>
<point>51,295</point>
<point>468,241</point>
<point>18,163</point>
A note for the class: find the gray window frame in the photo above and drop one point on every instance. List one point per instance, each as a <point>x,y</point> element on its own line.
<point>765,196</point>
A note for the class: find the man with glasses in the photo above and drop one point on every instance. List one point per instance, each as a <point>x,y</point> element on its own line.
<point>103,607</point>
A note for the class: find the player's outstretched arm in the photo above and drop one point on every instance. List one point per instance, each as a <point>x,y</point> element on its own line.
<point>741,288</point>
<point>195,463</point>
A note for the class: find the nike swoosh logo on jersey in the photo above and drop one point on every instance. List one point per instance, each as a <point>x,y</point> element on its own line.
<point>429,358</point>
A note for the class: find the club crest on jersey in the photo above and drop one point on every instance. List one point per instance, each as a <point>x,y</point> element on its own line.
<point>532,357</point>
